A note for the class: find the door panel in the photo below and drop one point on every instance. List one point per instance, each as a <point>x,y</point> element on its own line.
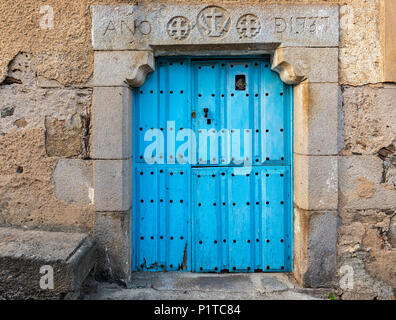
<point>241,222</point>
<point>261,110</point>
<point>162,189</point>
<point>161,222</point>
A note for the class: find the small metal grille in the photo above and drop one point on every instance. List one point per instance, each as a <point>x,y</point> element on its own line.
<point>240,82</point>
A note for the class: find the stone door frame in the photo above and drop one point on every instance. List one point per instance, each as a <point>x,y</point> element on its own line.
<point>312,70</point>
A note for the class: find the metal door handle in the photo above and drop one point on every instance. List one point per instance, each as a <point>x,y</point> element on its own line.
<point>206,111</point>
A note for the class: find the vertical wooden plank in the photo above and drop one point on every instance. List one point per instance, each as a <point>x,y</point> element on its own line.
<point>206,219</point>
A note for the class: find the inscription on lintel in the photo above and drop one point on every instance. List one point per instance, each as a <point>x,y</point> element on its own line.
<point>137,27</point>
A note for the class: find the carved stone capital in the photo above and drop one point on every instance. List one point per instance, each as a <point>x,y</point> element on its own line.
<point>283,63</point>
<point>296,64</point>
<point>121,68</point>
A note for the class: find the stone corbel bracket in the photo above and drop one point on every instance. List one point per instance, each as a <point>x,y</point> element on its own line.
<point>283,63</point>
<point>120,68</point>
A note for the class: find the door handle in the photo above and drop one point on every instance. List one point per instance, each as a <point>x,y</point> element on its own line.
<point>206,111</point>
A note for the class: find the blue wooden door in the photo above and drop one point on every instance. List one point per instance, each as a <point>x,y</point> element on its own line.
<point>212,167</point>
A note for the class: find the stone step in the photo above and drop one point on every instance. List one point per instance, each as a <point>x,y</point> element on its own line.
<point>203,286</point>
<point>27,258</point>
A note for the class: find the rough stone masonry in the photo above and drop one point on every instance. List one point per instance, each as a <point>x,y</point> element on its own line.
<point>49,147</point>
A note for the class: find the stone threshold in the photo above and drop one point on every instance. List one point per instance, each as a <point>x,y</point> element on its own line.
<point>205,286</point>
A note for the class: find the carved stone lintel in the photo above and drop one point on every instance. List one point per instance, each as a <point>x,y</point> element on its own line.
<point>140,27</point>
<point>120,68</point>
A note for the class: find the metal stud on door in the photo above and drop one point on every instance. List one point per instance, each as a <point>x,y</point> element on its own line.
<point>220,201</point>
